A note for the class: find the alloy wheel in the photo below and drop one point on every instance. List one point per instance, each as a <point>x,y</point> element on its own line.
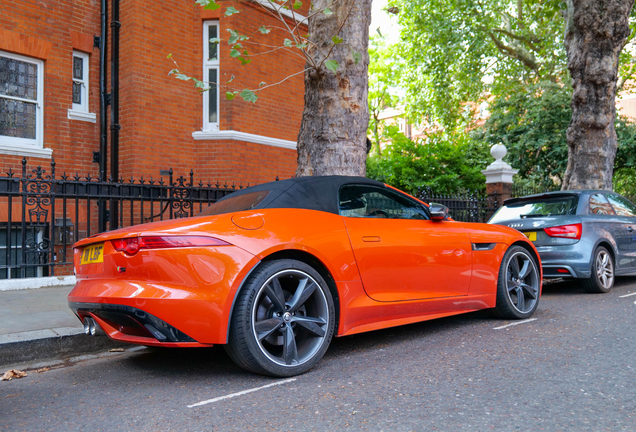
<point>290,318</point>
<point>604,269</point>
<point>522,281</point>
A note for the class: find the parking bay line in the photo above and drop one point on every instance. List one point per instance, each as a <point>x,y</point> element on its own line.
<point>516,323</point>
<point>241,393</point>
<point>627,295</point>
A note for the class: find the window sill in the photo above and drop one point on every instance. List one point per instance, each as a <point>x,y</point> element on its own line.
<point>83,116</point>
<point>243,136</point>
<point>18,150</point>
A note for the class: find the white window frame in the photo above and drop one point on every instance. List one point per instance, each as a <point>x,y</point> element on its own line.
<point>207,66</point>
<point>80,111</point>
<point>83,82</point>
<point>28,146</point>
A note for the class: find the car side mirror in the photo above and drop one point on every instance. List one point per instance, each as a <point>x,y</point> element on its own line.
<point>438,212</point>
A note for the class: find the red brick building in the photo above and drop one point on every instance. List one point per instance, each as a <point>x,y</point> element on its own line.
<point>50,99</point>
<point>47,51</point>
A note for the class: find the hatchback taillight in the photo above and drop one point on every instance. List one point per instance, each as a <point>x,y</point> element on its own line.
<point>566,231</point>
<point>132,245</point>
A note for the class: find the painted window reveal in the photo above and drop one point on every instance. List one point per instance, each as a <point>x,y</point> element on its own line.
<point>80,81</point>
<point>211,75</point>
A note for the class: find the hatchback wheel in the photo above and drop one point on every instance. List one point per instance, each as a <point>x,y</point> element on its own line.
<point>283,320</point>
<point>602,278</point>
<point>518,285</point>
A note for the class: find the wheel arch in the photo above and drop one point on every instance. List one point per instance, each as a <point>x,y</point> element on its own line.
<point>302,256</point>
<point>607,245</point>
<point>532,251</point>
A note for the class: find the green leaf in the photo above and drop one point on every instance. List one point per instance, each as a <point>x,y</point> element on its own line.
<point>262,83</point>
<point>327,11</point>
<point>245,61</point>
<point>234,37</point>
<point>287,43</point>
<point>209,4</point>
<point>169,55</point>
<point>298,4</point>
<point>263,29</point>
<point>235,53</point>
<point>248,95</point>
<point>357,57</point>
<point>231,10</point>
<point>229,95</point>
<point>336,39</point>
<point>301,45</point>
<point>215,40</point>
<point>332,65</point>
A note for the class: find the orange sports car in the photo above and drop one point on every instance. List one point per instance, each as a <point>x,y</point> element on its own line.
<point>274,271</point>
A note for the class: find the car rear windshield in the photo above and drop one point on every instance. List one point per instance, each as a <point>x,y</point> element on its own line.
<point>234,204</point>
<point>539,207</point>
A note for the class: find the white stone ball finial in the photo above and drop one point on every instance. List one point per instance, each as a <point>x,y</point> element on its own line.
<point>498,151</point>
<point>499,171</point>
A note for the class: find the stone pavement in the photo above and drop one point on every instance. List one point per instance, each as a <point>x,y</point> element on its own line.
<point>37,325</point>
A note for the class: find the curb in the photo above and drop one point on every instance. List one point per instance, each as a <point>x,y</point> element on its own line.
<point>51,344</point>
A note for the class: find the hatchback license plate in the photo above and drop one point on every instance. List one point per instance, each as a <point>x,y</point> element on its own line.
<point>532,236</point>
<point>93,254</point>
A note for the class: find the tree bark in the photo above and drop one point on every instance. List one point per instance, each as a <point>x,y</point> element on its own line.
<point>595,34</point>
<point>333,132</point>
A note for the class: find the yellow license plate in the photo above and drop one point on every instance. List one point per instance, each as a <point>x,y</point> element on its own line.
<point>532,236</point>
<point>93,254</point>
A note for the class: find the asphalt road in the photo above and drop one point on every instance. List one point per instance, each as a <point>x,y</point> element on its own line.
<point>572,369</point>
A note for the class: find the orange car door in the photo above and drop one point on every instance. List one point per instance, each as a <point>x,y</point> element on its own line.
<point>400,254</point>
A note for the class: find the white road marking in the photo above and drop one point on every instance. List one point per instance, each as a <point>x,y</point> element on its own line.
<point>241,393</point>
<point>627,295</point>
<point>516,323</point>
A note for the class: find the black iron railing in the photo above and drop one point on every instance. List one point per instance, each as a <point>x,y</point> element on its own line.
<point>467,207</point>
<point>42,215</point>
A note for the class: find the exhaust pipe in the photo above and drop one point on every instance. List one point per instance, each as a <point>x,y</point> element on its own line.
<point>92,328</point>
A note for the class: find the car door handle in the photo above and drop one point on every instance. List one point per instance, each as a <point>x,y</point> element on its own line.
<point>370,239</point>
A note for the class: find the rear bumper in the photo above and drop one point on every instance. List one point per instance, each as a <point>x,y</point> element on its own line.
<point>575,258</point>
<point>132,325</point>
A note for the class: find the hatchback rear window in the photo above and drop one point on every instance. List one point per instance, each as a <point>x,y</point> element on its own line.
<point>539,207</point>
<point>236,203</point>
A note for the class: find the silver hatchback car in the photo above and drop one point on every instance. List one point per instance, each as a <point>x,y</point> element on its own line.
<point>586,234</point>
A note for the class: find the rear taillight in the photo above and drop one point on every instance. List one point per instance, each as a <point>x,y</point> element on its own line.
<point>566,231</point>
<point>132,245</point>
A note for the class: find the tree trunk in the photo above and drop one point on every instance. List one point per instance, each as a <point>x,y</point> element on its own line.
<point>333,132</point>
<point>594,37</point>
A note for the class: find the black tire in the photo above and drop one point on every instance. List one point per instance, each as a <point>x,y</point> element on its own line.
<point>603,273</point>
<point>518,285</point>
<point>283,320</point>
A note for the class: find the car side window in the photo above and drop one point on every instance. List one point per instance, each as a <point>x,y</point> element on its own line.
<point>622,205</point>
<point>374,202</point>
<point>600,206</point>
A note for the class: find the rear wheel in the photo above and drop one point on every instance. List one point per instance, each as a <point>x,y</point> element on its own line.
<point>602,278</point>
<point>518,285</point>
<point>283,320</point>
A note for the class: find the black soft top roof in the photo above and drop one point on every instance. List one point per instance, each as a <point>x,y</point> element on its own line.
<point>311,193</point>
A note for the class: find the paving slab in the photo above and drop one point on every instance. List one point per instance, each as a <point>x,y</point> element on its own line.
<point>37,325</point>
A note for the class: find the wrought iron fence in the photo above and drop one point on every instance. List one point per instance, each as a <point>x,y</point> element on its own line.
<point>42,215</point>
<point>468,207</point>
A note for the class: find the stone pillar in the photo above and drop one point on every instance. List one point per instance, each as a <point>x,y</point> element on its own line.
<point>498,177</point>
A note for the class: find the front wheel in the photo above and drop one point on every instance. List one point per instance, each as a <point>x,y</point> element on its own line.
<point>602,278</point>
<point>283,320</point>
<point>518,284</point>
